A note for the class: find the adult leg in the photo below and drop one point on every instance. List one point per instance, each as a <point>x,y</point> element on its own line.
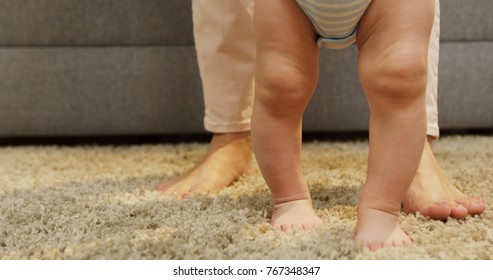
<point>393,41</point>
<point>431,193</point>
<point>226,55</point>
<point>285,78</point>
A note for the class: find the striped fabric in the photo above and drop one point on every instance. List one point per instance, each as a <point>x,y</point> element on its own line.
<point>336,21</point>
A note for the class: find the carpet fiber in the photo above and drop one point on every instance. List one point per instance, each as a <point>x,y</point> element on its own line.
<point>97,202</point>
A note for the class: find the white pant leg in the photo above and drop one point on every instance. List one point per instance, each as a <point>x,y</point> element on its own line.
<point>432,86</point>
<point>225,45</point>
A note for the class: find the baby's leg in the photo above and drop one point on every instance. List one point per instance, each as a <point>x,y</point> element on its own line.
<point>393,42</point>
<point>286,75</point>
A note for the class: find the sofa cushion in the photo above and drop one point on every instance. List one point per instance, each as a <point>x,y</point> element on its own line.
<point>157,22</point>
<point>95,22</point>
<point>466,20</point>
<point>99,91</point>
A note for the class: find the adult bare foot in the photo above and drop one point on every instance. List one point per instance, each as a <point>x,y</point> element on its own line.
<point>229,156</point>
<point>433,195</point>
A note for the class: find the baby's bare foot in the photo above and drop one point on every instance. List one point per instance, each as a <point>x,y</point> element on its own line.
<point>229,157</point>
<point>378,229</point>
<point>433,195</point>
<point>297,214</point>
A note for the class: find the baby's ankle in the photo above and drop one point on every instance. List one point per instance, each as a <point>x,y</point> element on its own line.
<point>278,200</point>
<point>383,205</point>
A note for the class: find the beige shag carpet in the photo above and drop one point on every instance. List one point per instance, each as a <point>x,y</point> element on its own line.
<point>97,202</point>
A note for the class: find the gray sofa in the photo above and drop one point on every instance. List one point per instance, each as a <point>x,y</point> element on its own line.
<point>128,67</point>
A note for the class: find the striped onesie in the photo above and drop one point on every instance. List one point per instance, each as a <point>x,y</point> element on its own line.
<point>336,21</point>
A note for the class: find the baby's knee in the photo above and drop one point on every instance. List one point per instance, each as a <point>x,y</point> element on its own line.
<point>284,87</point>
<point>397,77</point>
